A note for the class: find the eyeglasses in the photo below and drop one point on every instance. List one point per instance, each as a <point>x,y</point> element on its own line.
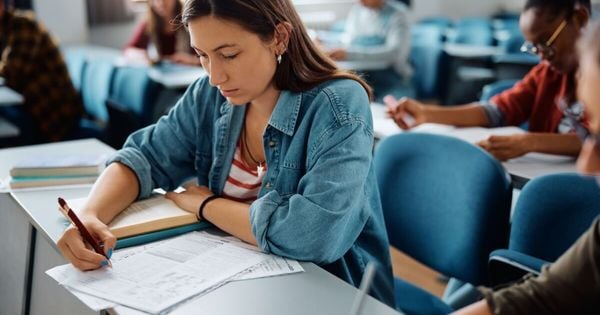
<point>546,48</point>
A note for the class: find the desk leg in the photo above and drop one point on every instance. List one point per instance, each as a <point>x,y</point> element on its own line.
<point>47,297</point>
<point>14,251</point>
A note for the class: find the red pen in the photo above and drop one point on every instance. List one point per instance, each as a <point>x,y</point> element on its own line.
<point>70,214</point>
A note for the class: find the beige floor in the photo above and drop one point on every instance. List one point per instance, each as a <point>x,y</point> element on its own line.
<point>412,271</point>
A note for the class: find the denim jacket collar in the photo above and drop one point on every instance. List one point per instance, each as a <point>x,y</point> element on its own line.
<point>286,111</point>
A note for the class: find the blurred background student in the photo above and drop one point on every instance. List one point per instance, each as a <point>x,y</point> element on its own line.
<point>572,284</point>
<point>156,38</point>
<point>31,64</point>
<point>544,98</point>
<point>378,31</point>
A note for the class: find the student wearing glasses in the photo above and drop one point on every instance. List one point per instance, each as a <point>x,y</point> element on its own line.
<point>572,284</point>
<point>277,138</point>
<point>545,97</point>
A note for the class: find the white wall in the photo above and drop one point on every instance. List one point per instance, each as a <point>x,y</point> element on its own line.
<point>66,19</point>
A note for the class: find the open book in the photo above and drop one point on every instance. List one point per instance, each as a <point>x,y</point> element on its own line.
<point>149,215</point>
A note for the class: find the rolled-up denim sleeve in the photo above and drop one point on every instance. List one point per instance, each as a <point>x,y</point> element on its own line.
<point>162,155</point>
<point>327,214</point>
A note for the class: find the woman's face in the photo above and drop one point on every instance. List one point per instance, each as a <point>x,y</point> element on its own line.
<point>538,27</point>
<point>589,94</point>
<point>237,61</point>
<point>373,4</point>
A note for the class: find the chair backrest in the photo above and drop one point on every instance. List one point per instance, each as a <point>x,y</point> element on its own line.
<point>446,202</point>
<point>76,61</point>
<point>95,87</point>
<point>426,58</point>
<point>473,31</point>
<point>133,90</point>
<point>495,88</point>
<point>552,212</point>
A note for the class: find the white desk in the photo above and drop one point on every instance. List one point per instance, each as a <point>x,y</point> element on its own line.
<point>26,254</point>
<point>521,169</point>
<point>470,51</point>
<point>175,76</point>
<point>8,97</point>
<point>312,292</point>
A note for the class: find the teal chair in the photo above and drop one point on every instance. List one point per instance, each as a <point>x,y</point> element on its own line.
<point>95,87</point>
<point>446,203</point>
<point>131,103</point>
<point>551,214</point>
<point>495,88</point>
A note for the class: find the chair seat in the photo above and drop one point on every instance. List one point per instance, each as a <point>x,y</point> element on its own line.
<point>412,300</point>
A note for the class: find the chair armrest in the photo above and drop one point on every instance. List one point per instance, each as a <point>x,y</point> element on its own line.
<point>506,266</point>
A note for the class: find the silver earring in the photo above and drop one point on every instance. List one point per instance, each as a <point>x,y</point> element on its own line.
<point>279,59</point>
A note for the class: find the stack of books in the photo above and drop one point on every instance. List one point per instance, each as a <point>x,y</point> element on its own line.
<point>55,170</point>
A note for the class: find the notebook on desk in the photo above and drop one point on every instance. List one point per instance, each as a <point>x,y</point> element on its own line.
<point>148,220</point>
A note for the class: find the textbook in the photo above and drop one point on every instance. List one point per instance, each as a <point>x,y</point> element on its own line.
<point>145,217</point>
<point>42,181</point>
<point>59,165</point>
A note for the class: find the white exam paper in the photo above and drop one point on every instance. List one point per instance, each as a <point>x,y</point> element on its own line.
<point>155,279</point>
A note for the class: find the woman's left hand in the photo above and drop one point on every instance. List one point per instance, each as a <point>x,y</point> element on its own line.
<point>506,147</point>
<point>191,198</point>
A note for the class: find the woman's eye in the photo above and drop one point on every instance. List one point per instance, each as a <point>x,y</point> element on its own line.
<point>230,56</point>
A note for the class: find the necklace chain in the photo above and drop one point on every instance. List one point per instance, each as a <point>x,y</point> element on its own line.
<point>246,147</point>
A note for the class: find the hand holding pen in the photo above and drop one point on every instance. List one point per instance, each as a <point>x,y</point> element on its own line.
<point>73,242</point>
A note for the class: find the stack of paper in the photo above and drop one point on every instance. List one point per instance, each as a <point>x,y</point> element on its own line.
<point>156,277</point>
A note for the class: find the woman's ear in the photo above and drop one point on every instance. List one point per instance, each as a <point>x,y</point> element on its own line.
<point>581,16</point>
<point>283,32</point>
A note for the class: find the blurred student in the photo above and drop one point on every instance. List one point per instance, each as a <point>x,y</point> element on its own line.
<point>545,97</point>
<point>378,31</point>
<point>571,285</point>
<point>278,139</point>
<point>31,64</point>
<point>159,38</point>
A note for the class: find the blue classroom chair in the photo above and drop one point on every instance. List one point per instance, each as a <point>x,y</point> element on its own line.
<point>498,87</point>
<point>446,203</point>
<point>426,58</point>
<point>131,103</point>
<point>552,212</point>
<point>95,88</point>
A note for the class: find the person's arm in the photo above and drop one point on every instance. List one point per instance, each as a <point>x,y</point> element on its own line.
<point>468,115</point>
<point>508,147</point>
<point>397,39</point>
<point>114,190</point>
<point>569,286</point>
<point>135,49</point>
<point>479,308</point>
<point>230,216</point>
<point>160,155</point>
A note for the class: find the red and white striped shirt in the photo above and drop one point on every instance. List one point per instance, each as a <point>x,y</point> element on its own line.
<point>243,182</point>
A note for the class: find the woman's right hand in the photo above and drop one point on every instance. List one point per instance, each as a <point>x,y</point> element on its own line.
<point>81,254</point>
<point>406,112</point>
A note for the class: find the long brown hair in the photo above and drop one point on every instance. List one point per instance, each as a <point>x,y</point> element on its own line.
<point>156,26</point>
<point>303,65</point>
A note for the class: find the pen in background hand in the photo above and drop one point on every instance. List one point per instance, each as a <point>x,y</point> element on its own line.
<point>70,214</point>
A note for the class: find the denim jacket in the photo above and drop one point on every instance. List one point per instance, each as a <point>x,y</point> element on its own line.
<point>318,201</point>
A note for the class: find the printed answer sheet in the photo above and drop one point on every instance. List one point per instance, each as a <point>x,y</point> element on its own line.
<point>77,282</point>
<point>164,275</point>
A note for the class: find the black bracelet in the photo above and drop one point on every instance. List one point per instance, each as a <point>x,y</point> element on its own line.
<point>200,213</point>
